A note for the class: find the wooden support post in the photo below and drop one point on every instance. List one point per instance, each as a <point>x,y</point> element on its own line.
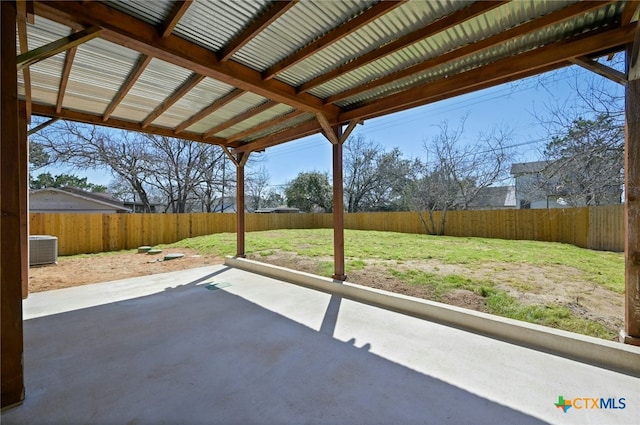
<point>23,148</point>
<point>631,332</point>
<point>338,209</point>
<point>240,160</point>
<point>12,373</point>
<point>240,219</point>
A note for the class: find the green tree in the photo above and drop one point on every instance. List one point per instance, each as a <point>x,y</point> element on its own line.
<point>310,191</point>
<point>38,157</point>
<point>44,180</point>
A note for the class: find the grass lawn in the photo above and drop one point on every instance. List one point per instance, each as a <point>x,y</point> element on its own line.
<point>506,274</point>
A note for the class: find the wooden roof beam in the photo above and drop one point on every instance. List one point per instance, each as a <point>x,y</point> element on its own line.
<point>120,28</point>
<point>366,17</point>
<point>305,129</point>
<point>470,49</point>
<point>267,124</point>
<point>457,17</point>
<point>58,46</point>
<point>185,88</point>
<point>601,69</point>
<point>64,79</point>
<point>241,117</point>
<point>529,63</point>
<point>219,103</point>
<point>71,115</point>
<point>131,80</point>
<point>177,12</point>
<point>277,9</point>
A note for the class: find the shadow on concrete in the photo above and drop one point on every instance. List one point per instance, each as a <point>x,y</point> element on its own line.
<point>192,355</point>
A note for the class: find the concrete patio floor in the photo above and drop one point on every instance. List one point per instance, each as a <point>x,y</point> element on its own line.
<point>222,345</point>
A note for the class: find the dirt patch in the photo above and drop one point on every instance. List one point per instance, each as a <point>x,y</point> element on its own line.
<point>527,284</point>
<point>78,271</point>
<point>542,285</point>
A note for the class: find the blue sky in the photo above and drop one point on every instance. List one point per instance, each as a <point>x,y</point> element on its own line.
<point>513,105</point>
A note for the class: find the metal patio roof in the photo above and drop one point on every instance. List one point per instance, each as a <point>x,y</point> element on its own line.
<point>252,74</point>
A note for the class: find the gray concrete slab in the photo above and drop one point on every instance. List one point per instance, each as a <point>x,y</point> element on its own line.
<point>173,349</point>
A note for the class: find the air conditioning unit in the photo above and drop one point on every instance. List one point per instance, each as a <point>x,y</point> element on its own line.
<point>43,249</point>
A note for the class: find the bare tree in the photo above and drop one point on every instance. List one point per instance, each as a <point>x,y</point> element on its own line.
<point>585,151</point>
<point>90,147</point>
<point>453,173</point>
<point>177,168</point>
<point>257,188</point>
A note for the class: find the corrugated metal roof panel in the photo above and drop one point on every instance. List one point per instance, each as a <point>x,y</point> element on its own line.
<point>152,12</point>
<point>491,23</point>
<point>517,45</point>
<point>201,96</point>
<point>45,80</point>
<point>283,126</point>
<point>91,87</point>
<point>45,75</point>
<point>158,81</point>
<point>242,104</point>
<point>403,20</point>
<point>302,24</point>
<point>267,115</point>
<point>214,24</point>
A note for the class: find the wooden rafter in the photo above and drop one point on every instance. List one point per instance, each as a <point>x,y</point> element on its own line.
<point>241,117</point>
<point>475,9</point>
<point>125,30</point>
<point>185,88</point>
<point>263,126</point>
<point>133,76</point>
<point>542,58</point>
<point>366,17</point>
<point>219,103</point>
<point>67,114</point>
<point>58,46</point>
<point>470,49</point>
<point>630,9</point>
<point>26,72</point>
<point>64,79</point>
<point>25,11</point>
<point>277,9</point>
<point>601,69</point>
<point>305,129</point>
<point>177,12</point>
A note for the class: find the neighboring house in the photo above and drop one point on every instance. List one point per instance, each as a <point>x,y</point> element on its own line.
<point>72,200</point>
<point>494,198</point>
<point>540,185</point>
<point>138,207</point>
<point>533,187</point>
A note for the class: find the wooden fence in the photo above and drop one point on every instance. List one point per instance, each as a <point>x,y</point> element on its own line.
<point>599,228</point>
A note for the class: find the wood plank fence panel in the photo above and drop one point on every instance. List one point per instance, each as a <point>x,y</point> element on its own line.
<point>600,228</point>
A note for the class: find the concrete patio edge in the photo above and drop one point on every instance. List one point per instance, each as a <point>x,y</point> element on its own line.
<point>607,354</point>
